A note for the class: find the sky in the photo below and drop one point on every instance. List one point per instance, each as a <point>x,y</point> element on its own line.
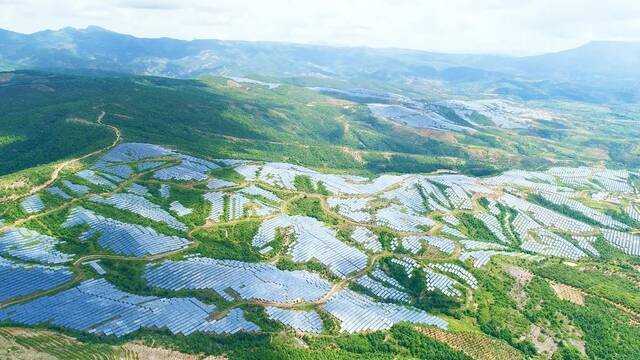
<point>514,27</point>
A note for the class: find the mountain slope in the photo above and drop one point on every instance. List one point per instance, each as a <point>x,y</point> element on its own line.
<point>47,115</point>
<point>98,48</point>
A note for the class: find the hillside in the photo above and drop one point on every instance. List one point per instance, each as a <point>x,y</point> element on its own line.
<point>146,250</point>
<point>223,118</point>
<point>596,72</point>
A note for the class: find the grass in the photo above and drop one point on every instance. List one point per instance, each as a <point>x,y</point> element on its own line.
<point>308,206</point>
<point>228,174</point>
<point>476,229</point>
<point>229,241</point>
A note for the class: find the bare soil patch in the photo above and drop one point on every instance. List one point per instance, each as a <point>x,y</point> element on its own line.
<point>475,345</point>
<point>356,155</point>
<point>144,352</point>
<point>543,342</point>
<point>568,293</point>
<point>522,277</point>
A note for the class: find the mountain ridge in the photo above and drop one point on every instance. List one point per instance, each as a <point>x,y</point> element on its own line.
<point>96,47</point>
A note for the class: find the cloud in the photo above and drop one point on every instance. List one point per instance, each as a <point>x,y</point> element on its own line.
<point>462,26</point>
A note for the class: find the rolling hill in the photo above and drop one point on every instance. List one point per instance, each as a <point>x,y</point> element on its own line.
<point>595,72</point>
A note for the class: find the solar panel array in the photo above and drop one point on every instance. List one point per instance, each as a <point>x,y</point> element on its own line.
<point>138,189</point>
<point>95,265</point>
<point>526,179</point>
<point>550,244</point>
<point>442,283</point>
<point>219,183</point>
<point>633,212</point>
<point>141,206</point>
<point>458,271</point>
<point>76,188</point>
<point>54,190</point>
<point>257,191</point>
<point>481,245</point>
<point>283,175</point>
<point>30,245</point>
<point>92,177</point>
<point>124,238</point>
<point>545,216</point>
<point>305,321</point>
<point>128,152</point>
<point>493,207</point>
<point>22,279</point>
<point>408,195</point>
<point>236,205</point>
<point>380,290</point>
<point>217,205</point>
<point>448,230</point>
<point>314,241</point>
<point>451,220</point>
<point>352,208</point>
<point>628,243</point>
<point>165,191</point>
<point>523,224</point>
<point>32,204</point>
<point>480,258</point>
<point>586,243</point>
<point>458,197</point>
<point>96,306</point>
<point>259,208</point>
<point>121,171</point>
<point>190,168</point>
<point>179,209</point>
<point>366,238</point>
<point>380,275</point>
<point>445,245</point>
<point>408,264</point>
<point>433,197</point>
<point>267,231</point>
<point>401,219</point>
<point>414,243</point>
<point>148,165</point>
<point>606,220</point>
<point>493,224</point>
<point>357,313</point>
<point>258,281</point>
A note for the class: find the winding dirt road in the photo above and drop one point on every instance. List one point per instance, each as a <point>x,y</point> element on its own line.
<point>58,168</point>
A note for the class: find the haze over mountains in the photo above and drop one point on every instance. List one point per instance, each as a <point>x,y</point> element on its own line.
<point>596,72</point>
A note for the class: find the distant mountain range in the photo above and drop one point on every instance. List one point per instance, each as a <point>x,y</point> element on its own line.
<point>612,68</point>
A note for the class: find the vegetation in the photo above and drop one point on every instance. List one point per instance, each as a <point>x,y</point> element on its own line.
<point>309,206</point>
<point>432,301</point>
<point>202,116</point>
<point>562,209</point>
<point>128,275</point>
<point>606,284</point>
<point>229,241</point>
<point>476,229</point>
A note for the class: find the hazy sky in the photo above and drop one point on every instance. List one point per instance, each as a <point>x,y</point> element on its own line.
<point>468,26</point>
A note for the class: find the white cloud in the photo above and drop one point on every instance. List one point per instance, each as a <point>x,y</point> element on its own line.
<point>464,26</point>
